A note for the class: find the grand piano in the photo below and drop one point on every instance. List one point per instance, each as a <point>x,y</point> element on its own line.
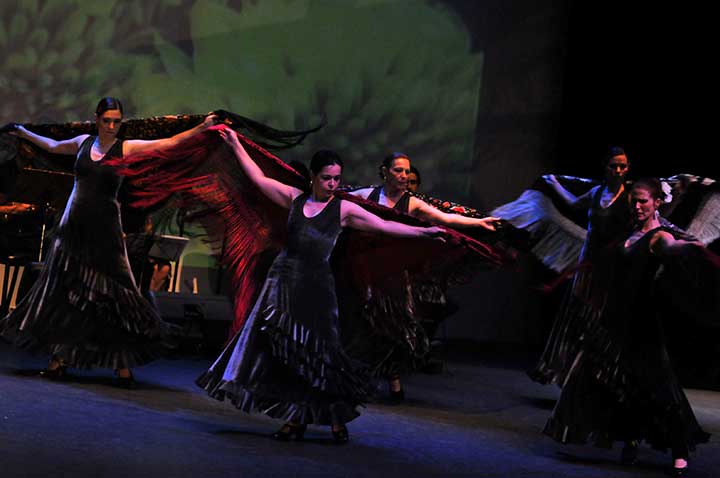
<point>28,211</point>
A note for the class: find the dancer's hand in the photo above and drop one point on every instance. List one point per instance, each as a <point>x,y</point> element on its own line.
<point>230,137</point>
<point>490,223</point>
<point>210,120</point>
<point>15,129</point>
<point>436,233</point>
<point>550,179</point>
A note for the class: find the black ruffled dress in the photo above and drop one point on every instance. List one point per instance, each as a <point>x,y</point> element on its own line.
<point>587,295</point>
<point>382,327</point>
<point>622,385</point>
<point>287,361</point>
<point>85,307</point>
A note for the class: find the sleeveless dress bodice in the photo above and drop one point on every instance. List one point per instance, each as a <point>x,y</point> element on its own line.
<point>402,205</point>
<point>606,224</point>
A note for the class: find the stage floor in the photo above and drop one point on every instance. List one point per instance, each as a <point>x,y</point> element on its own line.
<point>482,417</point>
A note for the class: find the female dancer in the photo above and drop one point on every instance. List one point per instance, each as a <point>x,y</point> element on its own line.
<point>85,307</point>
<point>608,220</point>
<point>621,385</point>
<point>414,180</point>
<point>394,172</point>
<point>409,344</point>
<point>287,360</point>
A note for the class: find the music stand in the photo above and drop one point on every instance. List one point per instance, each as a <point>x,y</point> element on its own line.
<point>169,248</point>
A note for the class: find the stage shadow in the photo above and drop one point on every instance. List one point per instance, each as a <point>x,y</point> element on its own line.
<point>641,466</point>
<point>541,403</point>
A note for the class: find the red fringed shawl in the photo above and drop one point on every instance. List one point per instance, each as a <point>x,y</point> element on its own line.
<point>206,177</point>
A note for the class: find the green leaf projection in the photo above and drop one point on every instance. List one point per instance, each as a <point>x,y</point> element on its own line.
<point>53,70</point>
<point>57,57</point>
<point>385,75</point>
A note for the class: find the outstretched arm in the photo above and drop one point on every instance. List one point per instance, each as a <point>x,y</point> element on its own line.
<point>423,210</point>
<point>67,146</point>
<point>139,145</point>
<point>363,193</point>
<point>355,217</point>
<point>664,244</point>
<point>575,202</point>
<point>277,192</point>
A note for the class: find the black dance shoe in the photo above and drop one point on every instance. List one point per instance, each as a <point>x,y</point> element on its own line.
<point>128,383</point>
<point>290,432</point>
<point>679,472</point>
<point>57,373</point>
<point>629,454</point>
<point>397,396</point>
<point>341,436</point>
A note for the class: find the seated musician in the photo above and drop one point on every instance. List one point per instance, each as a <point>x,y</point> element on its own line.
<point>151,274</point>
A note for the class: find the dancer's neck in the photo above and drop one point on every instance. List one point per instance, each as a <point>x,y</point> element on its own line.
<point>392,193</point>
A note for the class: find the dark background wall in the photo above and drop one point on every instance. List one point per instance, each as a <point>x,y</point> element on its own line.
<point>638,74</point>
<point>517,136</point>
<point>563,81</point>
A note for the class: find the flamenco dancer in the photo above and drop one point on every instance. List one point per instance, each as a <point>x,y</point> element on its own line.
<point>609,220</point>
<point>621,385</point>
<point>287,360</point>
<point>85,308</point>
<point>399,341</point>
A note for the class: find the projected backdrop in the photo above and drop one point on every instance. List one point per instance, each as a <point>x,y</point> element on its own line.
<point>386,75</point>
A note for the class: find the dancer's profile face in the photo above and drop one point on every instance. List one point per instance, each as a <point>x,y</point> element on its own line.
<point>327,180</point>
<point>643,204</point>
<point>616,167</point>
<point>397,174</point>
<point>108,123</point>
<point>412,182</point>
